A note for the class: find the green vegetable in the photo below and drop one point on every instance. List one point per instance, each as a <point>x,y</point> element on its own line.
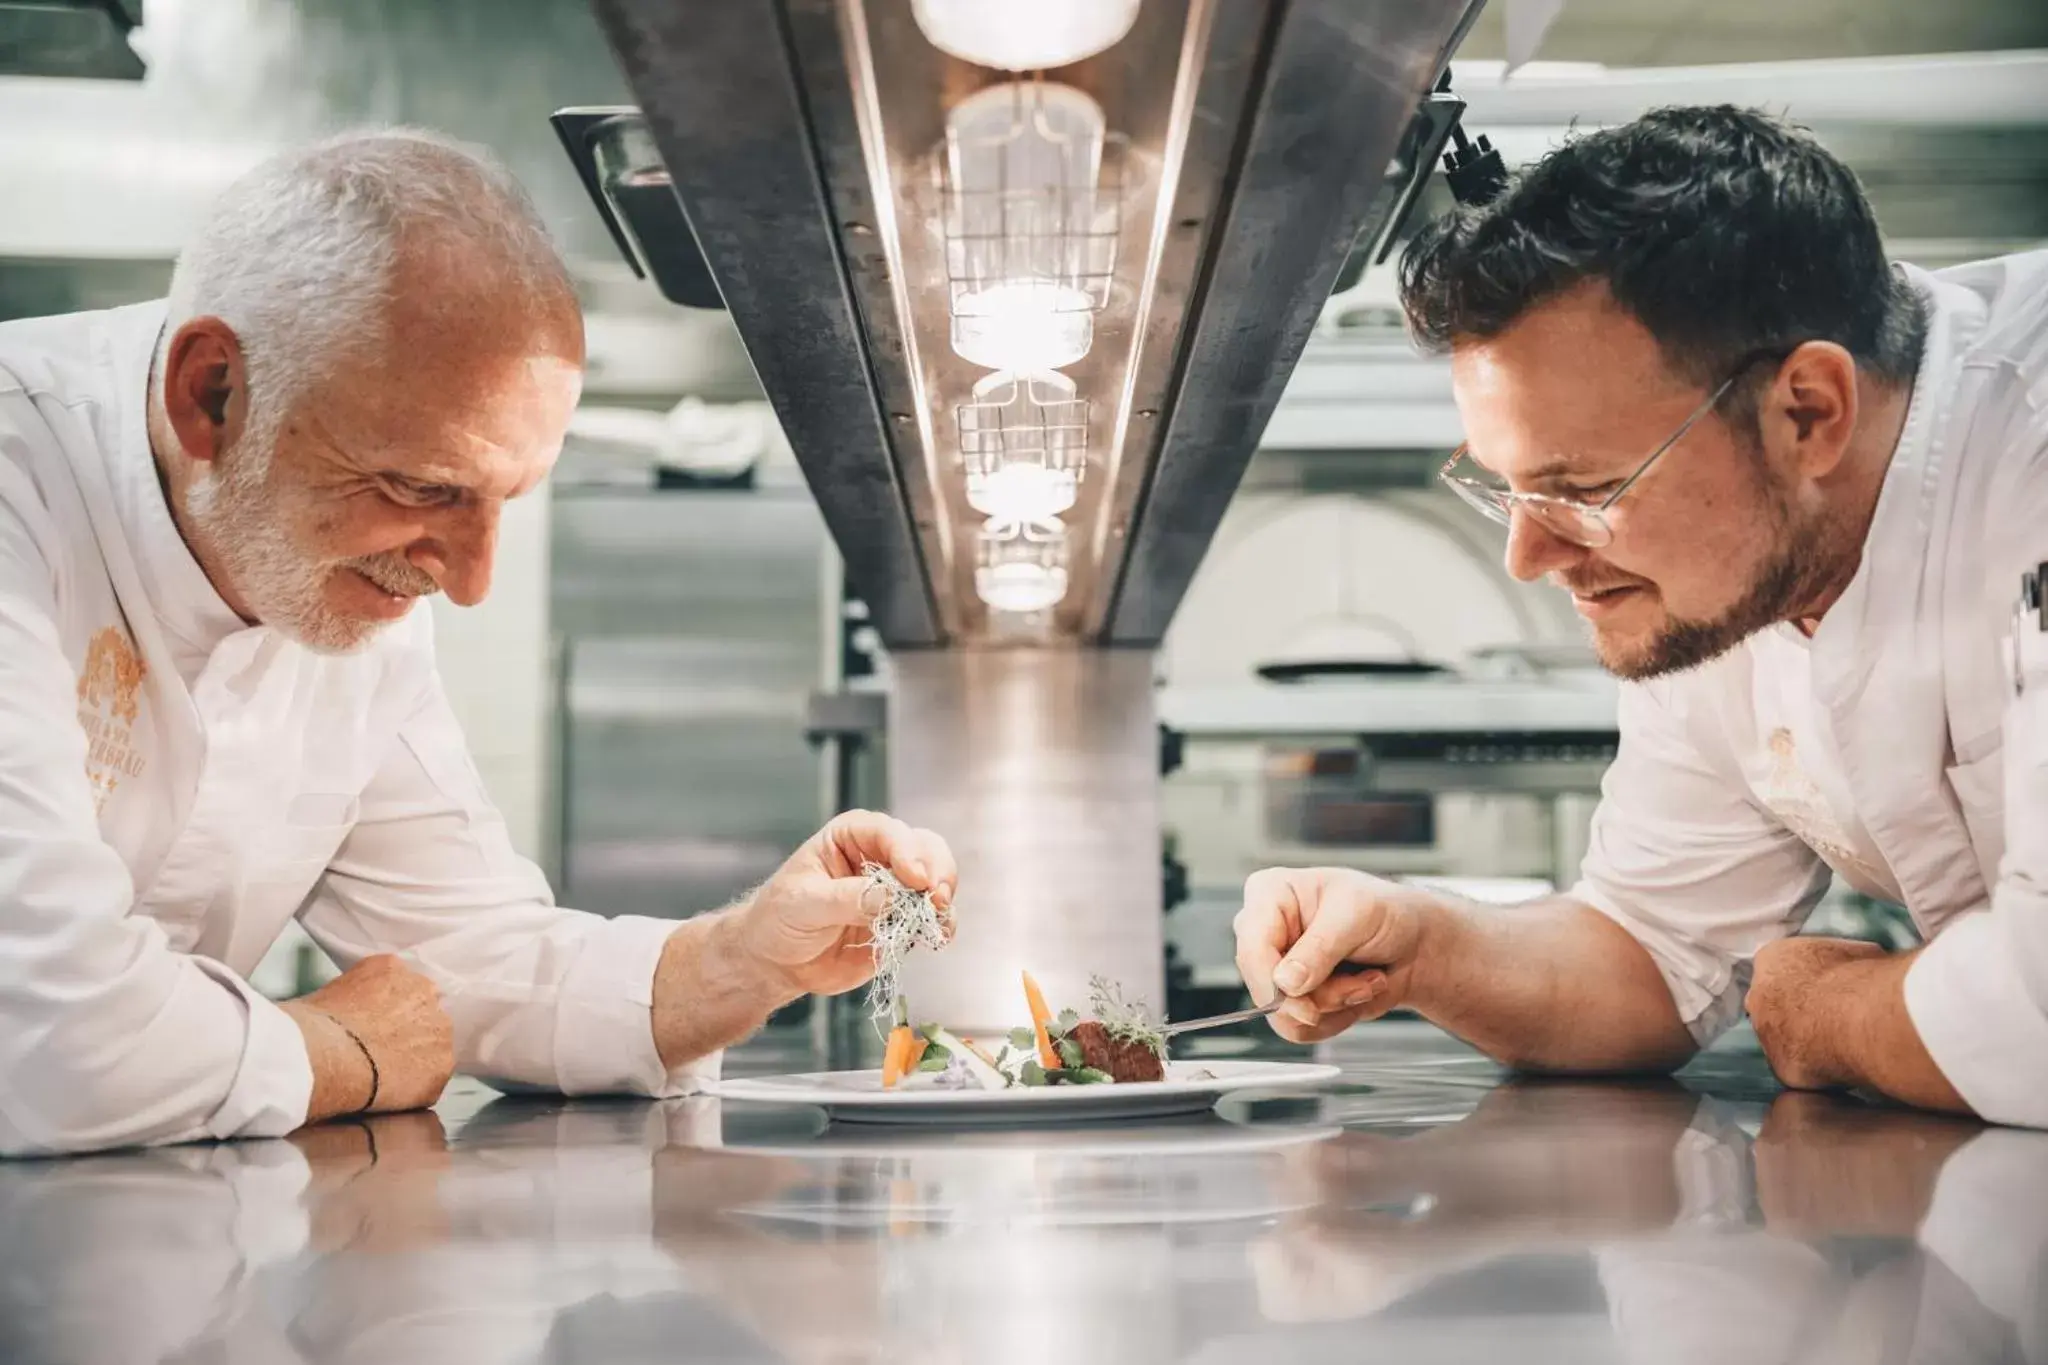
<point>1023,1039</point>
<point>1068,1021</point>
<point>935,1058</point>
<point>1077,1075</point>
<point>1033,1074</point>
<point>1123,1020</point>
<point>1070,1053</point>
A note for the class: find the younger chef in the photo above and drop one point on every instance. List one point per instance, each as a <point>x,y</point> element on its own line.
<point>1792,489</point>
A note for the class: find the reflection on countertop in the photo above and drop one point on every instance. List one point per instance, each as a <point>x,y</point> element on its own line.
<point>1425,1209</point>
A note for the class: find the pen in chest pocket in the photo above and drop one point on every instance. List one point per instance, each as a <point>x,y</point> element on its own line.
<point>2029,627</point>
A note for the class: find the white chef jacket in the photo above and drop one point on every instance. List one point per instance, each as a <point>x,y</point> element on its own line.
<point>176,785</point>
<point>1879,748</point>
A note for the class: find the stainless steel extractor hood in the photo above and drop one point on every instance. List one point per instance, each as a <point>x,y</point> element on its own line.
<point>1023,325</point>
<point>82,39</point>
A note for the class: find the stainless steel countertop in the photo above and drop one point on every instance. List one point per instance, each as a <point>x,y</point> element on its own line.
<point>1424,1210</point>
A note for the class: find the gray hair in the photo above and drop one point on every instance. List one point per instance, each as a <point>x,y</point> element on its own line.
<point>298,255</point>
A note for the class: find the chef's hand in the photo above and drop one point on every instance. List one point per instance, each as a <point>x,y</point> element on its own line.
<point>1299,925</point>
<point>396,1015</point>
<point>1831,1015</point>
<point>810,923</point>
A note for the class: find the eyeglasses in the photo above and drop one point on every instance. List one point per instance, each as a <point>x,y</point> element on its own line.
<point>1581,523</point>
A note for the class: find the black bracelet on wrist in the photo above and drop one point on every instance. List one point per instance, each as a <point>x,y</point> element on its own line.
<point>376,1081</point>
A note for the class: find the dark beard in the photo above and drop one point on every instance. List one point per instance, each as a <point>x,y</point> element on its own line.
<point>1806,568</point>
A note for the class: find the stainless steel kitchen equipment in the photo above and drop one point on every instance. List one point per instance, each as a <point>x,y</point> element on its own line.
<point>1427,1210</point>
<point>79,39</point>
<point>1023,288</point>
<point>1342,758</point>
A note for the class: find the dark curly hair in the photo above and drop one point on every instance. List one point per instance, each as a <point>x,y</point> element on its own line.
<point>1724,231</point>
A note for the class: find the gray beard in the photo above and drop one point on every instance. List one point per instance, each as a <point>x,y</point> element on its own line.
<point>247,525</point>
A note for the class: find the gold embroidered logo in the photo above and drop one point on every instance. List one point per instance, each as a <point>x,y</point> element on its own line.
<point>109,698</point>
<point>1797,800</point>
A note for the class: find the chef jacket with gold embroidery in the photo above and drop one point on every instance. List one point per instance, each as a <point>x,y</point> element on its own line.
<point>1878,750</point>
<point>176,785</point>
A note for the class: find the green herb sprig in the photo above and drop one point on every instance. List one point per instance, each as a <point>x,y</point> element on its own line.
<point>1125,1021</point>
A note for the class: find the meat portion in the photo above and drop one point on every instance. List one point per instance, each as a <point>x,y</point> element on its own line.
<point>1123,1061</point>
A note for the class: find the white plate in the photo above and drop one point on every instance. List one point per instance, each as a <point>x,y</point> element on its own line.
<point>858,1097</point>
<point>1188,1135</point>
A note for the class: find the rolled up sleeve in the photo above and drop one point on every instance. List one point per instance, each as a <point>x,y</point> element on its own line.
<point>1978,994</point>
<point>539,995</point>
<point>108,1037</point>
<point>1683,858</point>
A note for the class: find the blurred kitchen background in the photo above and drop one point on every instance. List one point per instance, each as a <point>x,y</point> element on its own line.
<point>664,689</point>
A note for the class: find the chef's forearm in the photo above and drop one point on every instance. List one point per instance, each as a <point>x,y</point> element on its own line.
<point>341,1074</point>
<point>708,992</point>
<point>1869,1037</point>
<point>1550,986</point>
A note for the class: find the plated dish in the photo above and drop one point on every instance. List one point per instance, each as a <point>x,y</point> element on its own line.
<point>858,1096</point>
<point>1063,1067</point>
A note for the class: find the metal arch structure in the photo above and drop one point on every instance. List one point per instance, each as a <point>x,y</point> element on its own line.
<point>1299,108</point>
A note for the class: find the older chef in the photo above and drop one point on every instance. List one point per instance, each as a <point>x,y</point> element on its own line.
<point>1792,489</point>
<point>220,708</point>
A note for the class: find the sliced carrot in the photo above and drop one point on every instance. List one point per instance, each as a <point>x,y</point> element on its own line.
<point>918,1043</point>
<point>896,1057</point>
<point>1041,1024</point>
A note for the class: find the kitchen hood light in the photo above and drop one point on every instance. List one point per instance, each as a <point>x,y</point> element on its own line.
<point>1021,588</point>
<point>1024,446</point>
<point>1030,235</point>
<point>1161,222</point>
<point>1014,36</point>
<point>1023,325</point>
<point>1023,567</point>
<point>1022,493</point>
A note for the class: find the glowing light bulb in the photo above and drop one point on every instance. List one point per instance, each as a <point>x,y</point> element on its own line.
<point>1021,587</point>
<point>1013,36</point>
<point>1023,325</point>
<point>1022,492</point>
<point>1023,441</point>
<point>1023,568</point>
<point>1028,241</point>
